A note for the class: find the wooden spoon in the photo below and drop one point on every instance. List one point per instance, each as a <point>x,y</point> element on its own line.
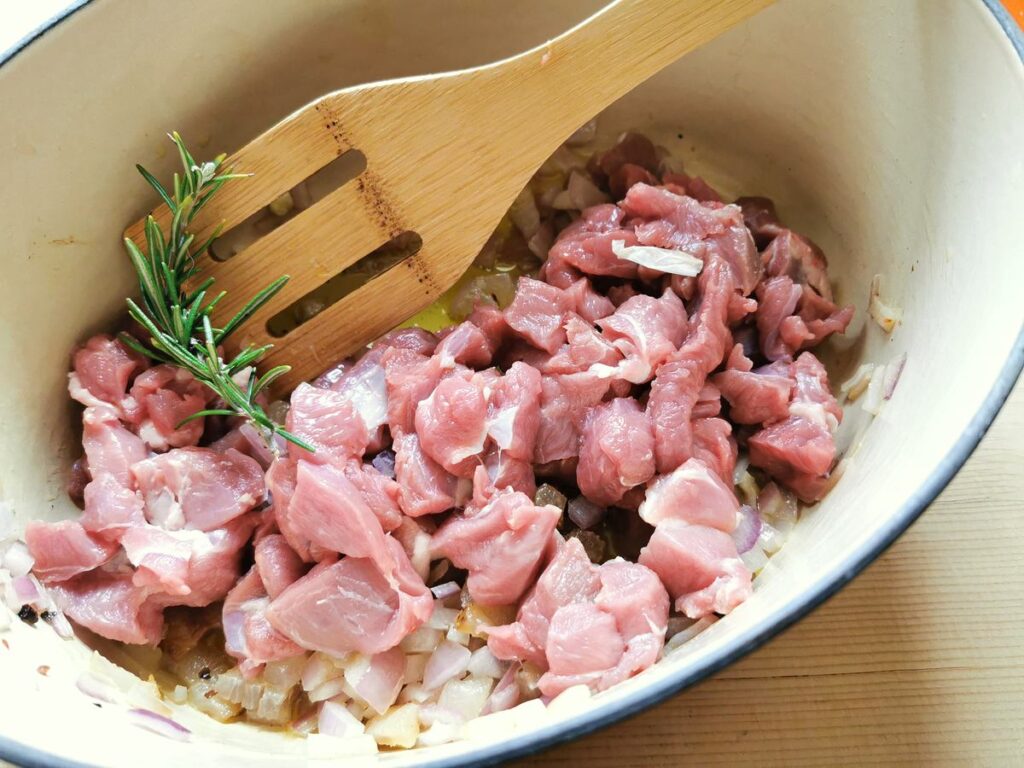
<point>446,156</point>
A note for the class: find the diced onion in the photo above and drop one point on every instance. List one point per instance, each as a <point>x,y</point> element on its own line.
<point>584,513</point>
<point>689,633</point>
<point>98,689</point>
<point>442,618</point>
<point>524,214</point>
<point>398,727</point>
<point>446,590</point>
<point>285,673</point>
<point>422,640</point>
<point>466,697</point>
<point>26,589</point>
<point>583,192</point>
<point>570,701</point>
<point>754,559</point>
<point>17,559</point>
<point>335,720</point>
<point>886,315</point>
<point>415,665</point>
<point>159,724</point>
<point>875,392</point>
<point>660,259</point>
<point>854,386</point>
<point>318,669</point>
<point>892,374</point>
<point>384,462</point>
<point>748,529</point>
<point>483,663</point>
<point>448,661</point>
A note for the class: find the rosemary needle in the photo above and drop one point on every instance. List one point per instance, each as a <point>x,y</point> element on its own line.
<point>178,318</point>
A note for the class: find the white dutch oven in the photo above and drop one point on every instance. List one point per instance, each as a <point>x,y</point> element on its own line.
<point>889,131</point>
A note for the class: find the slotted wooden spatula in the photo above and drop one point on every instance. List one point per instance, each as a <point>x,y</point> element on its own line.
<point>445,157</point>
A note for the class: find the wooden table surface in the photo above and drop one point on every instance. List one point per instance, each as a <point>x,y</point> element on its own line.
<point>920,661</point>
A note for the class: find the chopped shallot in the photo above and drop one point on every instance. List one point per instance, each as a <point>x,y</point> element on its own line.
<point>446,590</point>
<point>854,386</point>
<point>159,724</point>
<point>688,633</point>
<point>583,193</point>
<point>398,727</point>
<point>335,720</point>
<point>886,315</point>
<point>584,513</point>
<point>448,661</point>
<point>660,259</point>
<point>748,530</point>
<point>875,392</point>
<point>17,559</point>
<point>892,374</point>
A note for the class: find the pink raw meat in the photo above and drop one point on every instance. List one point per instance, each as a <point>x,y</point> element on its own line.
<point>328,421</point>
<point>111,508</point>
<point>587,624</point>
<point>536,314</point>
<point>466,345</point>
<point>796,257</point>
<point>109,447</point>
<point>616,451</point>
<point>714,445</point>
<point>755,397</point>
<point>351,606</point>
<point>678,384</point>
<point>692,493</point>
<point>668,220</point>
<point>109,604</point>
<point>167,395</point>
<point>198,488</point>
<point>327,510</point>
<point>500,543</point>
<point>425,488</point>
<point>799,451</point>
<point>187,567</point>
<point>65,549</point>
<point>452,425</point>
<point>699,566</point>
<point>380,493</point>
<point>248,635</point>
<point>278,564</point>
<point>102,370</point>
<point>513,411</point>
<point>647,331</point>
<point>564,401</point>
<point>409,378</point>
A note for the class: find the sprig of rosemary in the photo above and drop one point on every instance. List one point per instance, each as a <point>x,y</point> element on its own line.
<point>178,321</point>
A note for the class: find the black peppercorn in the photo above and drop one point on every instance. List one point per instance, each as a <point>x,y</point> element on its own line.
<point>28,614</point>
<point>204,673</point>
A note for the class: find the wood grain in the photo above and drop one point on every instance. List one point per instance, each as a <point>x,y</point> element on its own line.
<point>446,156</point>
<point>920,661</point>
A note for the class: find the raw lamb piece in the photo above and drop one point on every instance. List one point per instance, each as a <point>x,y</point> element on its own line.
<point>198,488</point>
<point>616,451</point>
<point>351,606</point>
<point>500,542</point>
<point>587,624</point>
<point>699,566</point>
